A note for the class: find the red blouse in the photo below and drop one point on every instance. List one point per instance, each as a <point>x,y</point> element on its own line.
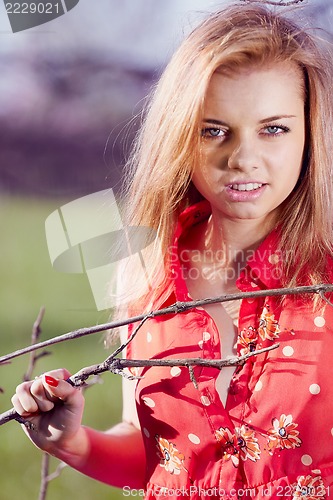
<point>274,437</point>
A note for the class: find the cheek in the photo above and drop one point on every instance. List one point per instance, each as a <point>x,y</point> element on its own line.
<point>209,171</point>
<point>289,160</point>
<point>205,178</point>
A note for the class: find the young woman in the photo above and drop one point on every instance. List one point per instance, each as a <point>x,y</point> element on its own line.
<point>233,169</point>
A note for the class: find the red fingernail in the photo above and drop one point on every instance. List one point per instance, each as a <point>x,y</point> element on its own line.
<point>51,381</point>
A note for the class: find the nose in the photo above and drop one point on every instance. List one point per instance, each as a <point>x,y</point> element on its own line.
<point>244,156</point>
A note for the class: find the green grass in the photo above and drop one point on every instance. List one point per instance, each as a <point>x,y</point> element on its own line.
<point>28,281</point>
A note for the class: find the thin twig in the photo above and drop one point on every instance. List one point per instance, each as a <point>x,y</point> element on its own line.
<point>177,307</point>
<point>131,337</point>
<point>192,377</point>
<point>322,295</point>
<point>35,334</point>
<point>44,476</point>
<point>57,472</point>
<point>115,365</point>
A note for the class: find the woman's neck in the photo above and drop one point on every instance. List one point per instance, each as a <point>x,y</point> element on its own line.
<point>235,239</point>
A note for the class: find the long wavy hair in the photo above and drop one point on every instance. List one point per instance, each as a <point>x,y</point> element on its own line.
<point>168,145</point>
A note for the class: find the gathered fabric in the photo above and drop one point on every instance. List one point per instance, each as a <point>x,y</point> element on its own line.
<point>274,436</point>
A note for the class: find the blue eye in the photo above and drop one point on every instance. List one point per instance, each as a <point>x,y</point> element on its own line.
<point>276,129</point>
<point>211,132</point>
<point>214,132</point>
<point>273,129</point>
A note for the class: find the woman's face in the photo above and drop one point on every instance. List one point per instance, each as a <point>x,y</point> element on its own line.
<point>253,141</point>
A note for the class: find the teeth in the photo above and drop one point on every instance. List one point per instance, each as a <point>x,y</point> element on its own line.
<point>251,186</point>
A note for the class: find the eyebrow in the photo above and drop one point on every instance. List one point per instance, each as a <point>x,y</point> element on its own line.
<point>214,122</point>
<point>276,117</point>
<point>264,120</point>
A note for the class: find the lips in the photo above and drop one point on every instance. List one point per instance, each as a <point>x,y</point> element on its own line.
<point>245,191</point>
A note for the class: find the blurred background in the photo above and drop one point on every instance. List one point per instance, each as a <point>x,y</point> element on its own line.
<point>70,94</point>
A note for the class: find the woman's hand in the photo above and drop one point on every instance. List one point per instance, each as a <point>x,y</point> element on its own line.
<point>54,407</point>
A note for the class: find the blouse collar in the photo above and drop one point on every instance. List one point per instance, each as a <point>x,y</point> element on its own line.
<point>263,268</point>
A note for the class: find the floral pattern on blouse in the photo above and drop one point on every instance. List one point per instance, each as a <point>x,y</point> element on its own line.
<point>229,445</point>
<point>268,326</point>
<point>268,329</point>
<point>309,488</point>
<point>171,459</point>
<point>239,445</point>
<point>243,443</point>
<point>247,340</point>
<point>283,434</point>
<point>248,444</point>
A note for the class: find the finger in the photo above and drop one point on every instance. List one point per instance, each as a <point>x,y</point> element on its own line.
<point>42,394</point>
<point>31,396</point>
<point>43,400</point>
<point>24,399</point>
<point>60,373</point>
<point>18,406</point>
<point>59,388</point>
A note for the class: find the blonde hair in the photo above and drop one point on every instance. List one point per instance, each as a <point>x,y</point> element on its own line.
<point>167,148</point>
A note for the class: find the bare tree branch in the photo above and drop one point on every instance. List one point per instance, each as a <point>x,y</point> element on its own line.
<point>322,295</point>
<point>44,476</point>
<point>35,335</point>
<point>178,307</point>
<point>57,472</point>
<point>116,365</point>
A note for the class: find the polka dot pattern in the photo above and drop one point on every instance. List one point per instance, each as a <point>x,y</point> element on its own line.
<point>319,321</point>
<point>175,371</point>
<point>194,439</point>
<point>314,389</point>
<point>306,460</point>
<point>288,351</point>
<point>146,432</point>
